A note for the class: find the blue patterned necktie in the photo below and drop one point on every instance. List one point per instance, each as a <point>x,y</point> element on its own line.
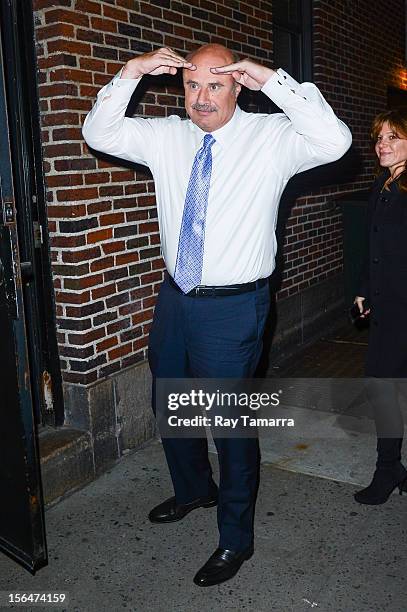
<point>188,268</point>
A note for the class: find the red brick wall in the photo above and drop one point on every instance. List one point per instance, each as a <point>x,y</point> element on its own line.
<point>358,51</point>
<point>102,217</point>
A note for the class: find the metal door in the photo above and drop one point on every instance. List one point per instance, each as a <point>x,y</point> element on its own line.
<point>22,533</point>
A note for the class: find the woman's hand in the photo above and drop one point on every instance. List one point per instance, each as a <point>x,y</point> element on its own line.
<point>359,301</point>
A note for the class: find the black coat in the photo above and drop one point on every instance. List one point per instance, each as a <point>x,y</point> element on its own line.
<point>384,281</point>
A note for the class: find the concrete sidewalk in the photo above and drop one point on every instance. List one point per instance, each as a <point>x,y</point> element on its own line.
<point>315,548</point>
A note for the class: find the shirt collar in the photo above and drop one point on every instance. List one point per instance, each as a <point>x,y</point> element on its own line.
<point>226,133</point>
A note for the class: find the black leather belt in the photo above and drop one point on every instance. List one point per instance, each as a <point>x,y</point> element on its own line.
<point>220,291</point>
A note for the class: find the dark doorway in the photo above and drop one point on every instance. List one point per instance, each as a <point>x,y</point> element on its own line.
<point>22,534</point>
<point>31,391</point>
<point>21,102</point>
<point>396,98</point>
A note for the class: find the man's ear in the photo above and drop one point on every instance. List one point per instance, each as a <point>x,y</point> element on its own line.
<point>237,88</point>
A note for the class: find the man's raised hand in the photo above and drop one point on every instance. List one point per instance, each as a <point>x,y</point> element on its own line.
<point>161,61</point>
<point>247,73</point>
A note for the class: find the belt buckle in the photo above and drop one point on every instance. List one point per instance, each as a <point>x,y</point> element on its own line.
<point>205,291</point>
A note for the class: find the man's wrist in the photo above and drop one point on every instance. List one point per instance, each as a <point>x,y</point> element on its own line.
<point>130,72</point>
<point>268,73</point>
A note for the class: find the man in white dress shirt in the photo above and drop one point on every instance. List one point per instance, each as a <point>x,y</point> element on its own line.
<point>219,176</point>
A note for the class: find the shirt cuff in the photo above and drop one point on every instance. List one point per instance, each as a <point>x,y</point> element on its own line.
<point>281,87</point>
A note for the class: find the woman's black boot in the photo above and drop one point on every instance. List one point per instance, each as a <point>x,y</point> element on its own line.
<point>385,480</point>
<point>389,474</point>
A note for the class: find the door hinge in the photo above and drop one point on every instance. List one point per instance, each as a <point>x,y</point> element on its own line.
<point>8,212</point>
<point>38,238</point>
<point>47,391</point>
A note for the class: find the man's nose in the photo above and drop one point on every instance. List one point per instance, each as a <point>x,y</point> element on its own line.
<point>203,96</point>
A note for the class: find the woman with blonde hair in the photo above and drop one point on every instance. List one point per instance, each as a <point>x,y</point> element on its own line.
<point>383,296</point>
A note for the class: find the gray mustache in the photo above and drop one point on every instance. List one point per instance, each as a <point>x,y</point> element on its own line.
<point>203,107</point>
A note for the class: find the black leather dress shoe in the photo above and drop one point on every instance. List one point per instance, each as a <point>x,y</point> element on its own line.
<point>221,566</point>
<point>169,511</point>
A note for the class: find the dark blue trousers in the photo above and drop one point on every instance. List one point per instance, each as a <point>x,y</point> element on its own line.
<point>212,337</point>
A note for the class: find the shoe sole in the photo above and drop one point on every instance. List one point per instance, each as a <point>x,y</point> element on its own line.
<point>372,503</point>
<point>378,502</point>
<point>209,504</point>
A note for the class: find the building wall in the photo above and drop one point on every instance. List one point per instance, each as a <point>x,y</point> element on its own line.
<point>102,218</point>
<point>359,50</point>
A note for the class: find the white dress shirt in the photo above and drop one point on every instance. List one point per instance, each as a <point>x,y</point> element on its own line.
<point>253,158</point>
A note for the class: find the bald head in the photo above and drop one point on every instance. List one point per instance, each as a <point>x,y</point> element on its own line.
<point>229,56</point>
<point>210,99</point>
